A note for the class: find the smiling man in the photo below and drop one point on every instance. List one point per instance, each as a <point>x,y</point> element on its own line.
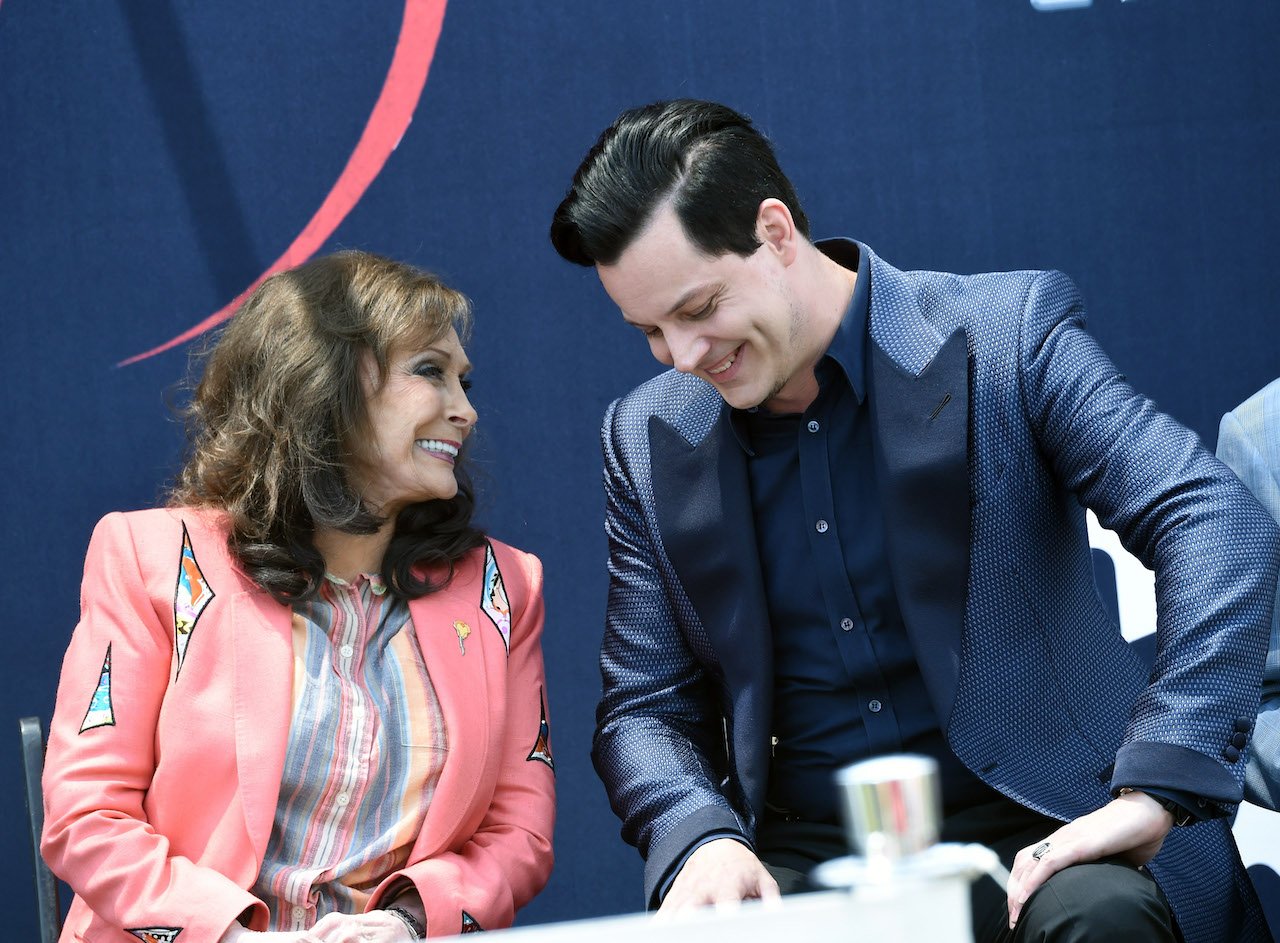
<point>849,523</point>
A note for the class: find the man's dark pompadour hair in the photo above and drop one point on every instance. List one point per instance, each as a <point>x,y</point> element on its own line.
<point>710,161</point>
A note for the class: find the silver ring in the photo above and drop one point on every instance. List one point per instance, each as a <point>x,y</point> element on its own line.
<point>1041,850</point>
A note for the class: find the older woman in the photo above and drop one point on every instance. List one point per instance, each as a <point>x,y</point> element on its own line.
<point>304,701</point>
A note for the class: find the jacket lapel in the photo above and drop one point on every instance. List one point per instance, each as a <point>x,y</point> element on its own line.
<point>458,668</point>
<point>263,690</point>
<point>703,504</point>
<point>922,423</point>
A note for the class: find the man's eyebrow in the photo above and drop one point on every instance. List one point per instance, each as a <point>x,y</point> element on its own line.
<point>689,295</point>
<point>681,302</point>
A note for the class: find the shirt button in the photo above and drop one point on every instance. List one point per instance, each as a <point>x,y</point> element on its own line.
<point>813,425</point>
<point>847,624</point>
<point>299,913</point>
<point>874,707</point>
<point>347,651</point>
<point>343,798</point>
<point>821,527</point>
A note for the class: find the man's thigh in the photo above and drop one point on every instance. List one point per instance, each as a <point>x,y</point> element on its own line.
<point>1098,902</point>
<point>1101,901</point>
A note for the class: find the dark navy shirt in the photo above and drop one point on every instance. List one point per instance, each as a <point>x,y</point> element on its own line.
<point>846,682</point>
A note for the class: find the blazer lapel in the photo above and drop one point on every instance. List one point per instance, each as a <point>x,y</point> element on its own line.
<point>703,504</point>
<point>458,642</point>
<point>263,656</point>
<point>922,423</point>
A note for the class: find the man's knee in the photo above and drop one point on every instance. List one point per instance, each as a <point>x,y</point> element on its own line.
<point>1098,902</point>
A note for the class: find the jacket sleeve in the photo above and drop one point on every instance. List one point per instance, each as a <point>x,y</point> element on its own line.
<point>1249,442</point>
<point>101,759</point>
<point>480,884</point>
<point>657,724</point>
<point>1178,510</point>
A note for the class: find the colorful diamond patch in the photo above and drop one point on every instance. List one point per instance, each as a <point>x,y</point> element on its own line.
<point>100,712</point>
<point>541,751</point>
<point>190,598</point>
<point>494,597</point>
<point>156,934</point>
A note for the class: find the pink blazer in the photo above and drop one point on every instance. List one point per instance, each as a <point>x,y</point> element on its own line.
<point>168,738</point>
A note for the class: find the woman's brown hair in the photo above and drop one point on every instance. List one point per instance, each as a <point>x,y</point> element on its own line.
<point>273,419</point>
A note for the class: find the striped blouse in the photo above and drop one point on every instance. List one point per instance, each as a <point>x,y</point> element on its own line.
<point>366,748</point>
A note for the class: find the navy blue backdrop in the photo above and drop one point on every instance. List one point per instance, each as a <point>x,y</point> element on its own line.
<point>156,158</point>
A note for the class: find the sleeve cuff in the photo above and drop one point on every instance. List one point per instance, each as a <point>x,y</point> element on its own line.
<point>1169,770</point>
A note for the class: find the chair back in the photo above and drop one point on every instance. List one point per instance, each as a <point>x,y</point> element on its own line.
<point>32,730</point>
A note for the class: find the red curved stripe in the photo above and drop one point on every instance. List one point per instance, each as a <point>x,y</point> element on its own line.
<point>387,124</point>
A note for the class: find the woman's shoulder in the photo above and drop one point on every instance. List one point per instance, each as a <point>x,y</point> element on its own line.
<point>509,556</point>
<point>161,537</point>
<point>156,522</point>
<point>518,571</point>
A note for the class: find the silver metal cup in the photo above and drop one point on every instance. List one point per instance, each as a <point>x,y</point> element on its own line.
<point>892,806</point>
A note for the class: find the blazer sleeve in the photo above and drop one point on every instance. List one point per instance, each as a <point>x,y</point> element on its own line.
<point>1176,508</point>
<point>507,860</point>
<point>101,759</point>
<point>658,726</point>
<point>1249,442</point>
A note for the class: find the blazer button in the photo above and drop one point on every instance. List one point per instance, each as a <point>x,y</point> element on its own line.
<point>1244,724</point>
<point>1238,740</point>
<point>1231,753</point>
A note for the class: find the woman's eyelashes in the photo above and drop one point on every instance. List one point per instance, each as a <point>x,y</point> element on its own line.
<point>429,370</point>
<point>433,371</point>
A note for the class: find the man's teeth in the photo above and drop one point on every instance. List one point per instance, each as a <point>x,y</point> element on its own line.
<point>724,366</point>
<point>438,445</point>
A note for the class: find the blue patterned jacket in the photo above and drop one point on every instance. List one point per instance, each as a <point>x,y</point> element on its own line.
<point>995,417</point>
<point>1249,442</point>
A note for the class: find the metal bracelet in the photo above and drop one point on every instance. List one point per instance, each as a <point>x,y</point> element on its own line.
<point>416,930</point>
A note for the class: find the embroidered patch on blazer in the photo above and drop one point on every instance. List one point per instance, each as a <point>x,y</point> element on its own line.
<point>190,597</point>
<point>493,597</point>
<point>470,924</point>
<point>464,632</point>
<point>100,712</point>
<point>156,934</point>
<point>542,746</point>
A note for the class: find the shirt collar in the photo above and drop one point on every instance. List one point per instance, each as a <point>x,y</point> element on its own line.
<point>847,351</point>
<point>849,346</point>
<point>375,581</point>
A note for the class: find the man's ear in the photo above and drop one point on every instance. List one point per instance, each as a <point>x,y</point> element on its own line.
<point>776,229</point>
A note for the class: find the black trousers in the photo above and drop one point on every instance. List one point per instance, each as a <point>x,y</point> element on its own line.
<point>1098,902</point>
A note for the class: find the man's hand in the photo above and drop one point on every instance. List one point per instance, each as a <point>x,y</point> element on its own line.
<point>723,870</point>
<point>1131,827</point>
